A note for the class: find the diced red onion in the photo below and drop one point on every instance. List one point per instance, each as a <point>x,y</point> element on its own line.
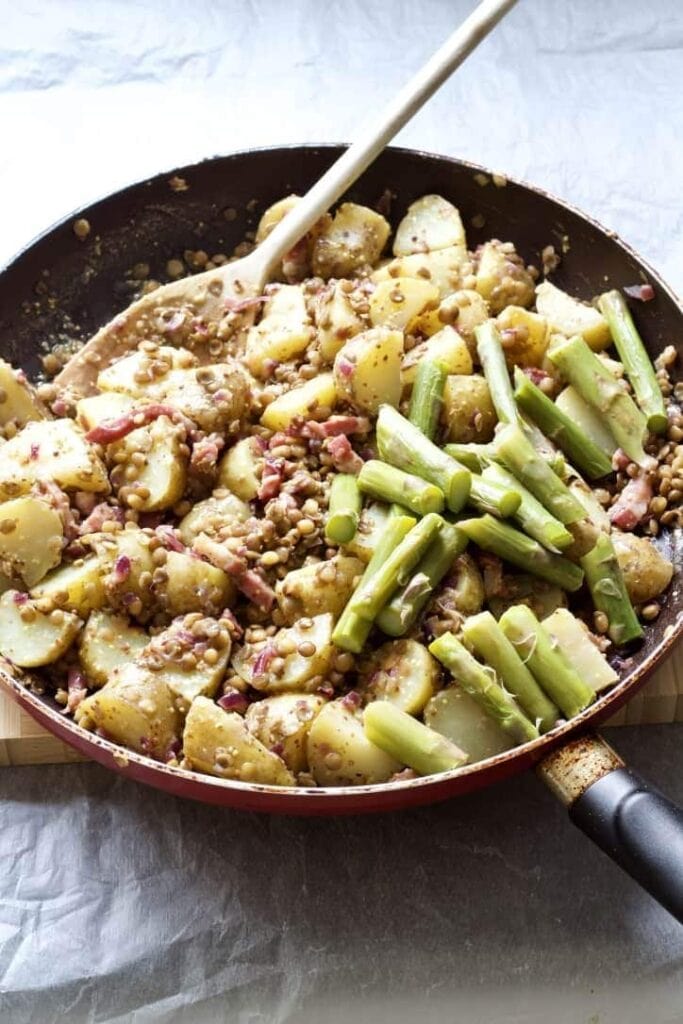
<point>233,700</point>
<point>642,292</point>
<point>122,567</point>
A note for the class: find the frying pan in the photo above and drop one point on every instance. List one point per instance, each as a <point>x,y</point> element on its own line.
<point>59,286</point>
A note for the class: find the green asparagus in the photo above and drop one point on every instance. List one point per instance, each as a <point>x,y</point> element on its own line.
<point>492,359</point>
<point>427,396</point>
<point>483,686</point>
<point>560,428</point>
<point>594,382</point>
<point>587,419</point>
<point>551,668</point>
<point>636,361</point>
<point>509,544</point>
<point>343,510</point>
<point>552,455</point>
<point>351,630</point>
<point>401,736</point>
<point>397,617</point>
<point>608,590</point>
<point>407,490</point>
<point>488,495</point>
<point>521,458</point>
<point>402,445</point>
<point>487,639</point>
<point>474,456</point>
<point>531,515</point>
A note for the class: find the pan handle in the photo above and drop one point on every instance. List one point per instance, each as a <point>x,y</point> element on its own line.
<point>631,821</point>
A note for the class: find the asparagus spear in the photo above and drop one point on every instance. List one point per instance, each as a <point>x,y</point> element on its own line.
<point>524,462</point>
<point>401,736</point>
<point>492,359</point>
<point>374,590</point>
<point>594,382</point>
<point>506,542</point>
<point>560,428</point>
<point>487,639</point>
<point>427,397</point>
<point>351,630</point>
<point>483,686</point>
<point>401,612</point>
<point>499,499</point>
<point>343,510</point>
<point>636,361</point>
<point>474,456</point>
<point>407,490</point>
<point>401,444</point>
<point>552,455</point>
<point>589,422</point>
<point>552,669</point>
<point>608,590</point>
<point>531,516</point>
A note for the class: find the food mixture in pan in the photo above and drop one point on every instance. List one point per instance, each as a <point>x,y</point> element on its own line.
<point>391,517</point>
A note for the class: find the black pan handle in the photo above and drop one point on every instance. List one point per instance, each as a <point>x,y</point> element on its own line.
<point>631,821</point>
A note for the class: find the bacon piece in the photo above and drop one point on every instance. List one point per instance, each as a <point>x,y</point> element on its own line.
<point>59,501</point>
<point>632,504</point>
<point>536,375</point>
<point>236,631</point>
<point>112,430</point>
<point>77,689</point>
<point>101,514</point>
<point>169,538</point>
<point>205,453</point>
<point>247,580</point>
<point>620,460</point>
<point>256,589</point>
<point>271,479</point>
<point>642,292</point>
<point>333,427</point>
<point>342,454</point>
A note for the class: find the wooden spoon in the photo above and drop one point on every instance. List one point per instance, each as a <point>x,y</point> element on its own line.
<point>204,298</point>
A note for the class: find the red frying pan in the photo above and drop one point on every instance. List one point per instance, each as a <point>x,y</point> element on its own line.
<point>59,281</point>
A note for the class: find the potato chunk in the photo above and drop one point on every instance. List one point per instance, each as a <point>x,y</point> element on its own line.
<point>219,743</point>
<point>193,585</point>
<point>502,278</point>
<point>213,396</point>
<point>373,519</point>
<point>336,320</point>
<point>161,479</point>
<point>180,654</point>
<point>130,575</point>
<point>459,718</point>
<point>141,374</point>
<point>283,332</point>
<point>310,643</point>
<point>568,316</point>
<point>107,642</point>
<point>273,215</point>
<point>210,515</point>
<point>447,347</point>
<point>340,754</point>
<point>240,468</point>
<point>367,370</point>
<point>318,588</point>
<point>29,638</point>
<point>108,405</point>
<point>50,450</point>
<point>468,412</point>
<point>430,223</point>
<point>402,672</point>
<point>398,302</point>
<point>136,708</point>
<point>353,239</point>
<point>573,639</point>
<point>313,400</point>
<point>446,268</point>
<point>78,586</point>
<point>31,537</point>
<point>646,572</point>
<point>283,723</point>
<point>18,400</point>
<point>524,336</point>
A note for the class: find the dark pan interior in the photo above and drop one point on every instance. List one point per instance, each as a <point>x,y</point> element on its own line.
<point>59,287</point>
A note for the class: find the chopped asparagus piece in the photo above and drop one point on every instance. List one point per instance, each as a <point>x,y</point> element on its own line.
<point>503,540</point>
<point>409,741</point>
<point>608,590</point>
<point>427,397</point>
<point>405,489</point>
<point>474,456</point>
<point>531,515</point>
<point>492,359</point>
<point>492,496</point>
<point>520,457</point>
<point>591,423</point>
<point>344,509</point>
<point>573,639</point>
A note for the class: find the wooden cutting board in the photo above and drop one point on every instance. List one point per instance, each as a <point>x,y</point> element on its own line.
<point>22,741</point>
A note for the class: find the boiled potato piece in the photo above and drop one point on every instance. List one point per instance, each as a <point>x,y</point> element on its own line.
<point>353,239</point>
<point>283,332</point>
<point>162,478</point>
<point>645,570</point>
<point>573,639</point>
<point>300,672</point>
<point>446,346</point>
<point>340,754</point>
<point>130,575</point>
<point>468,413</point>
<point>29,638</point>
<point>398,302</point>
<point>402,672</point>
<point>430,223</point>
<point>502,279</point>
<point>219,743</point>
<point>568,316</point>
<point>367,370</point>
<point>31,536</point>
<point>336,320</point>
<point>542,597</point>
<point>311,401</point>
<point>444,268</point>
<point>586,419</point>
<point>213,396</point>
<point>465,309</point>
<point>240,468</point>
<point>181,656</point>
<point>373,519</point>
<point>108,405</point>
<point>459,718</point>
<point>524,336</point>
<point>210,515</point>
<point>137,709</point>
<point>193,586</point>
<point>141,374</point>
<point>273,215</point>
<point>18,400</point>
<point>78,586</point>
<point>106,642</point>
<point>50,450</point>
<point>283,723</point>
<point>463,588</point>
<point>318,588</point>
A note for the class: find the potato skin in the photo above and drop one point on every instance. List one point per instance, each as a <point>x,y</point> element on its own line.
<point>646,572</point>
<point>339,752</point>
<point>367,370</point>
<point>136,709</point>
<point>468,412</point>
<point>284,722</point>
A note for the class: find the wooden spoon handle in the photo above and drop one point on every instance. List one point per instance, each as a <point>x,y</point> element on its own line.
<point>380,131</point>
